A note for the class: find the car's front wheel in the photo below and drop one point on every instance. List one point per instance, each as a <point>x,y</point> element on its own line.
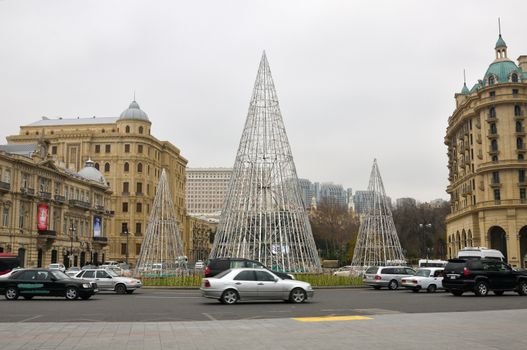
<point>72,293</point>
<point>431,288</point>
<point>297,295</point>
<point>481,289</point>
<point>11,293</point>
<point>120,289</point>
<point>229,297</point>
<point>522,288</point>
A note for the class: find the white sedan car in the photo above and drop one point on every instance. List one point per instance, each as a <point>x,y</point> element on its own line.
<point>232,285</point>
<point>430,279</point>
<point>106,279</point>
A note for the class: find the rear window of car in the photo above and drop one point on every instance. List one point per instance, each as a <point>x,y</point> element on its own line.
<point>221,274</point>
<point>245,276</point>
<point>388,271</point>
<point>455,266</point>
<point>372,269</point>
<point>89,274</point>
<point>475,264</point>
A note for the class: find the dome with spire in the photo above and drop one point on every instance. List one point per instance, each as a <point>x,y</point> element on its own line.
<point>134,112</point>
<point>89,172</point>
<point>465,90</point>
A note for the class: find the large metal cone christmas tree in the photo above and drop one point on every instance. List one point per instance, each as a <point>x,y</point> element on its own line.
<point>263,217</point>
<point>377,242</point>
<point>162,248</point>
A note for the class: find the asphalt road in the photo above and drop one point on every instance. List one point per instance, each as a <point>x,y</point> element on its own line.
<point>154,305</point>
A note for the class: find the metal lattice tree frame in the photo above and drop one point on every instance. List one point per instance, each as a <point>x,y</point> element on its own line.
<point>162,249</point>
<point>263,217</point>
<point>377,242</point>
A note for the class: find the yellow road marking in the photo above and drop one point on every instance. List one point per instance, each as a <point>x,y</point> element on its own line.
<point>331,318</point>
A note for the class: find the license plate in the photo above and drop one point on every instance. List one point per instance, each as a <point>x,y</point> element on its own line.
<point>453,277</point>
<point>95,290</point>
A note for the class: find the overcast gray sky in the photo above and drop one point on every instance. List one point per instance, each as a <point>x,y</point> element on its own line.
<point>356,80</point>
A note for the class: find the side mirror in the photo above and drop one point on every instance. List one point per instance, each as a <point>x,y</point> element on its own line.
<point>276,280</point>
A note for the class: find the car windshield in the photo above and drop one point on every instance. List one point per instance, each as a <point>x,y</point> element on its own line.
<point>60,275</point>
<point>111,273</point>
<point>423,273</point>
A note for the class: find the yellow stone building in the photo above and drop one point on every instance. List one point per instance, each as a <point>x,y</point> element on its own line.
<point>131,160</point>
<point>50,214</point>
<point>486,150</point>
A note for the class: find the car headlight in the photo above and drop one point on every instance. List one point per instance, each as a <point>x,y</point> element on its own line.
<point>86,285</point>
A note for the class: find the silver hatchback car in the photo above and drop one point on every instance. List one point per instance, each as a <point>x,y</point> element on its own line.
<point>232,285</point>
<point>386,276</point>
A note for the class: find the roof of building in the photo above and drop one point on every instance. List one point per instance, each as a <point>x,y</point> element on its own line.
<point>502,70</point>
<point>500,43</point>
<point>134,112</point>
<point>89,172</point>
<point>74,121</point>
<point>26,150</point>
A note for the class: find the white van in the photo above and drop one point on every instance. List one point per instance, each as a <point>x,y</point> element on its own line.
<point>480,253</point>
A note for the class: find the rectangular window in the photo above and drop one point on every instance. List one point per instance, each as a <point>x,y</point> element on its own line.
<point>497,195</point>
<point>53,149</point>
<point>123,248</point>
<point>139,187</point>
<point>107,148</point>
<point>522,195</point>
<point>5,217</point>
<point>137,248</point>
<point>148,189</point>
<point>124,228</point>
<point>492,93</point>
<point>139,148</point>
<point>495,177</point>
<point>97,148</point>
<point>138,228</point>
<point>125,187</point>
<point>125,207</point>
<point>139,207</point>
<point>521,175</point>
<point>7,176</point>
<point>126,148</point>
<point>515,91</point>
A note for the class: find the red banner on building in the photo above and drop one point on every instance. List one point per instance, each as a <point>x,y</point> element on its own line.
<point>43,217</point>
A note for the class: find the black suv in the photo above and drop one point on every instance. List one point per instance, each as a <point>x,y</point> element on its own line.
<point>482,276</point>
<point>215,266</point>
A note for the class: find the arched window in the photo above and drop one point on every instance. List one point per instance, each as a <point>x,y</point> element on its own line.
<point>106,167</point>
<point>517,111</point>
<point>140,167</point>
<point>127,129</point>
<point>518,126</point>
<point>97,166</point>
<point>491,80</point>
<point>492,112</point>
<point>514,77</point>
<point>140,129</point>
<point>126,167</point>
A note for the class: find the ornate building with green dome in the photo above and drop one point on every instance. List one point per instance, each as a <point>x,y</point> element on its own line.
<point>486,143</point>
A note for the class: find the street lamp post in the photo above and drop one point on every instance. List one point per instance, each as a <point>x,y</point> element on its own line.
<point>72,230</point>
<point>125,231</point>
<point>423,228</point>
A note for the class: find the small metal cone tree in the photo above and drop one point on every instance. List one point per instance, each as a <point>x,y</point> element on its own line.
<point>263,217</point>
<point>377,242</point>
<point>162,248</point>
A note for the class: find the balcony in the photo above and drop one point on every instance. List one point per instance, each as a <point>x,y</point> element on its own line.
<point>493,151</point>
<point>100,240</point>
<point>45,195</point>
<point>139,194</point>
<point>491,119</point>
<point>521,148</point>
<point>99,208</point>
<point>520,131</point>
<point>26,191</point>
<point>495,184</point>
<point>5,186</point>
<point>519,116</point>
<point>80,204</point>
<point>48,234</point>
<point>492,134</point>
<point>60,199</point>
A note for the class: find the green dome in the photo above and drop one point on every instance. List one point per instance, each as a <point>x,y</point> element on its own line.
<point>500,43</point>
<point>502,70</point>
